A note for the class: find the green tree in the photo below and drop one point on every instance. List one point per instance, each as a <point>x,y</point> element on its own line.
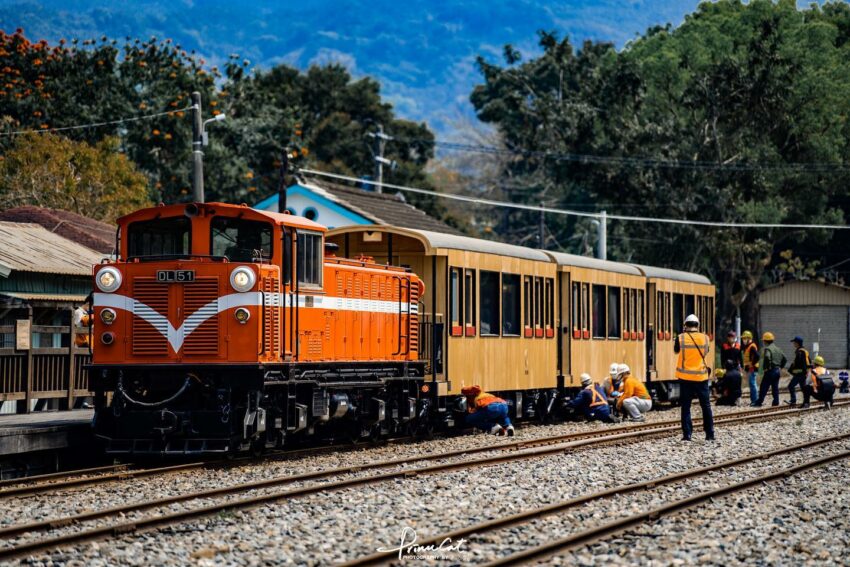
<point>52,171</point>
<point>735,85</point>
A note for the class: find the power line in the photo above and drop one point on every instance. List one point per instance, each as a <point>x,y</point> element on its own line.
<point>645,162</point>
<point>534,208</point>
<point>98,124</point>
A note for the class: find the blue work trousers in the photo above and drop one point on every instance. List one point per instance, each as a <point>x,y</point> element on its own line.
<point>770,381</point>
<point>754,388</point>
<point>488,416</point>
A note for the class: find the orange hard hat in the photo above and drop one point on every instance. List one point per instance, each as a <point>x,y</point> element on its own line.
<point>471,390</point>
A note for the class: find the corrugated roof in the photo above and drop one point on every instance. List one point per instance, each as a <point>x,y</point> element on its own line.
<point>380,208</point>
<point>26,247</point>
<point>91,233</point>
<point>44,296</point>
<point>594,263</point>
<point>653,272</point>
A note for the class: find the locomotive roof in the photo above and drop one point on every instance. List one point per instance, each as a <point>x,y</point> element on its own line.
<point>667,274</point>
<point>594,263</point>
<point>178,209</point>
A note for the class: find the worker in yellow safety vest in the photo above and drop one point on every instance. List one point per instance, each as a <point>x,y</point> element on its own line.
<point>692,371</point>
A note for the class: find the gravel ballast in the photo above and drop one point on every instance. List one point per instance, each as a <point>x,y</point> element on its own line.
<point>335,526</point>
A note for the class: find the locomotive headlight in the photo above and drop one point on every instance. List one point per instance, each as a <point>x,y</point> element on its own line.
<point>108,279</point>
<point>107,316</point>
<point>242,279</point>
<point>242,315</point>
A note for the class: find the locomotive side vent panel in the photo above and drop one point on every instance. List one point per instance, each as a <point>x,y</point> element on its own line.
<point>150,301</point>
<point>413,323</point>
<point>271,319</point>
<point>200,302</point>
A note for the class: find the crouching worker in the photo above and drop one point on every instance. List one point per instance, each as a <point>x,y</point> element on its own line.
<point>820,384</point>
<point>591,402</point>
<point>727,386</point>
<point>634,397</point>
<point>487,412</point>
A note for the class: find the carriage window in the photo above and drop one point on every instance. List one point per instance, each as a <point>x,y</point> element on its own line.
<point>241,240</point>
<point>659,312</point>
<point>640,307</point>
<point>454,302</point>
<point>160,237</point>
<point>538,303</point>
<point>585,310</point>
<point>510,305</point>
<point>527,303</point>
<point>689,305</point>
<point>469,302</point>
<point>308,265</point>
<point>550,304</point>
<point>576,307</point>
<point>678,308</point>
<point>627,312</point>
<point>489,303</point>
<point>614,323</point>
<point>600,319</point>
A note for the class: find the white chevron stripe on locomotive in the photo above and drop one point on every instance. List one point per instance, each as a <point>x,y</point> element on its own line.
<point>177,336</point>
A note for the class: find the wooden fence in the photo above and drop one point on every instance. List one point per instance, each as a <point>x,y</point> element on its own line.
<point>44,373</point>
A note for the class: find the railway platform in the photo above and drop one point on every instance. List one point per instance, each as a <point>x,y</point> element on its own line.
<point>43,442</point>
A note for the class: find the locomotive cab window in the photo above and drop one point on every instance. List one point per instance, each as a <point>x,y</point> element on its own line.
<point>160,237</point>
<point>308,258</point>
<point>242,240</point>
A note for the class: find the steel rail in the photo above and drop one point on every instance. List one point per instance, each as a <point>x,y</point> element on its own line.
<point>33,489</point>
<point>593,534</point>
<point>62,474</point>
<point>254,501</point>
<point>558,507</point>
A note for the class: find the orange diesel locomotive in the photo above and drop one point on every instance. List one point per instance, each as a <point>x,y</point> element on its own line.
<point>220,328</point>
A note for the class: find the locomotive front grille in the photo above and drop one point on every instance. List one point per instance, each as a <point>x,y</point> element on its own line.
<point>200,303</point>
<point>150,326</point>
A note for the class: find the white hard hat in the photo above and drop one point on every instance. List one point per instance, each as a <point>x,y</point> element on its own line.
<point>692,319</point>
<point>586,379</point>
<point>623,369</point>
<point>613,370</point>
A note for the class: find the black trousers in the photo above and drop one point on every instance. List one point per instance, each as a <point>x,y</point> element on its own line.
<point>770,381</point>
<point>688,390</point>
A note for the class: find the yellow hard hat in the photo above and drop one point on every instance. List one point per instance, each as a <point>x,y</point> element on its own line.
<point>720,373</point>
<point>819,361</point>
<point>768,336</point>
<point>747,335</point>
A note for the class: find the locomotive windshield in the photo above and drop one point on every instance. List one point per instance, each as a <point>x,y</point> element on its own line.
<point>242,240</point>
<point>160,237</point>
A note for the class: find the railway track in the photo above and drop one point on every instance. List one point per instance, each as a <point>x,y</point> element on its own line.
<point>518,450</point>
<point>590,535</point>
<point>115,473</point>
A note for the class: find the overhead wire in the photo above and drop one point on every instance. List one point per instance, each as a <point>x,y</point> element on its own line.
<point>568,212</point>
<point>99,124</point>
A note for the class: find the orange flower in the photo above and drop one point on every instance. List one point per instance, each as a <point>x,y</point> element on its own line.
<point>37,113</point>
<point>100,61</point>
<point>213,103</point>
<point>43,126</point>
<point>305,152</point>
<point>180,114</point>
<point>249,175</point>
<point>143,106</point>
<point>173,103</point>
<point>156,132</point>
<point>216,112</point>
<point>184,191</point>
<point>37,62</point>
<point>168,136</point>
<point>172,75</point>
<point>142,64</point>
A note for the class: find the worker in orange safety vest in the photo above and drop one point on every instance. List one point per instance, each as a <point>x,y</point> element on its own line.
<point>487,412</point>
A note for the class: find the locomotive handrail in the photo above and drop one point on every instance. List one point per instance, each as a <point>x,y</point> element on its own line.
<point>156,257</point>
<point>262,323</point>
<point>397,352</point>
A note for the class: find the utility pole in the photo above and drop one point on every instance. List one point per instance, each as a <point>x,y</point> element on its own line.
<point>381,140</point>
<point>197,149</point>
<point>283,182</point>
<point>541,229</point>
<point>602,241</point>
